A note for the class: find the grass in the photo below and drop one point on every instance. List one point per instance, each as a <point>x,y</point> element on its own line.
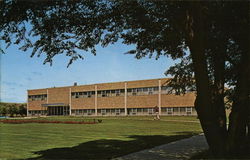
<point>114,137</point>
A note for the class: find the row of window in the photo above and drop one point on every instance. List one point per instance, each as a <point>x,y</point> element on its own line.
<point>137,111</point>
<point>40,97</point>
<point>117,111</point>
<point>178,110</point>
<point>108,93</point>
<point>104,93</point>
<point>120,92</point>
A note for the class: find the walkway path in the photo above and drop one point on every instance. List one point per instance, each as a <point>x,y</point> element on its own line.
<point>182,149</point>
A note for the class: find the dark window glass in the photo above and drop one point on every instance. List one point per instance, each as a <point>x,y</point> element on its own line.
<point>145,89</point>
<point>156,88</point>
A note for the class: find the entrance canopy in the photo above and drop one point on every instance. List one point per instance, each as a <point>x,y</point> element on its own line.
<point>54,104</point>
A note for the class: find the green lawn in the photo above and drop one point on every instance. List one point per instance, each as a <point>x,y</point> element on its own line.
<point>114,137</point>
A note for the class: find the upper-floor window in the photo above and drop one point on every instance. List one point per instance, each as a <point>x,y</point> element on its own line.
<point>41,97</point>
<point>165,89</point>
<point>142,91</point>
<point>102,93</point>
<point>86,94</point>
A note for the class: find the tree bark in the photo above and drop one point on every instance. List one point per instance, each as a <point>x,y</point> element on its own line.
<point>196,40</point>
<point>239,118</point>
<point>218,94</point>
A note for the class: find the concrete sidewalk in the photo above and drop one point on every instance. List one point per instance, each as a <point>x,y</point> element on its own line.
<point>182,149</point>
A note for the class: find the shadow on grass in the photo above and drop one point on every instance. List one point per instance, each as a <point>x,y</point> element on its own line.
<point>108,149</point>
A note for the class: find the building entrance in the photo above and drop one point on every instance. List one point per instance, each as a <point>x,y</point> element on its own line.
<point>58,110</point>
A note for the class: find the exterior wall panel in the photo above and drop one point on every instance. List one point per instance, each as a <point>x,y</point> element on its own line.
<point>58,95</point>
<point>142,83</point>
<point>82,88</point>
<point>83,103</point>
<point>37,91</point>
<point>110,86</point>
<point>170,100</point>
<point>147,101</point>
<point>36,105</point>
<point>110,102</point>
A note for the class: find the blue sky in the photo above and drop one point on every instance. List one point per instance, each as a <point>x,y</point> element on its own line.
<point>19,72</point>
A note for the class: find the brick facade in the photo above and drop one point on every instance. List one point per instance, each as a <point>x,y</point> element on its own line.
<point>118,98</point>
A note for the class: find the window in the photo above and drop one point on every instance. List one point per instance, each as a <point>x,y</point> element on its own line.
<point>145,89</point>
<point>165,89</point>
<point>103,111</point>
<point>189,110</point>
<point>117,92</point>
<point>103,93</point>
<point>176,110</point>
<point>169,111</point>
<point>89,94</point>
<point>41,97</point>
<point>108,93</point>
<point>150,91</point>
<point>150,111</point>
<point>139,89</point>
<point>89,111</point>
<point>182,110</point>
<point>156,88</point>
<point>77,95</point>
<point>117,111</point>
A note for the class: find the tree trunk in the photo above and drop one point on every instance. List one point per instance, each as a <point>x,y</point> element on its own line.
<point>218,94</point>
<point>205,111</point>
<point>239,117</point>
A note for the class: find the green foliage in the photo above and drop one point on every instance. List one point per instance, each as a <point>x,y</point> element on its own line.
<point>12,109</point>
<point>62,27</point>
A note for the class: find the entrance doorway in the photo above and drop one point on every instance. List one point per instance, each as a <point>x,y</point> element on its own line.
<point>57,110</point>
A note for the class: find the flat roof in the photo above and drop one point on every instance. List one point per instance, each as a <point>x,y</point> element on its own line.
<point>103,83</point>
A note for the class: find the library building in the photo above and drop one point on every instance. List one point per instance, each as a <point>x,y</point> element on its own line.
<point>125,98</point>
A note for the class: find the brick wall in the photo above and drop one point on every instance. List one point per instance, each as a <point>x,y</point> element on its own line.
<point>62,95</point>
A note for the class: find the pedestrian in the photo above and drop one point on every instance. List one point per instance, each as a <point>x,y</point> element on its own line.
<point>156,110</point>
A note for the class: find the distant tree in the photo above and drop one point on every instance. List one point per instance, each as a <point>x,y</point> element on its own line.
<point>12,110</point>
<point>22,110</point>
<point>3,110</point>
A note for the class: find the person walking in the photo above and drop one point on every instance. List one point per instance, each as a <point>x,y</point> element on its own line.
<point>156,110</point>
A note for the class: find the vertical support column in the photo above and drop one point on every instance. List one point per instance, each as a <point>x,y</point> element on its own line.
<point>95,100</point>
<point>27,104</point>
<point>125,100</point>
<point>70,101</point>
<point>159,97</point>
<point>47,96</point>
<point>47,108</point>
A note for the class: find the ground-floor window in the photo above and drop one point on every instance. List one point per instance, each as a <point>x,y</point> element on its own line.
<point>150,111</point>
<point>64,110</point>
<point>37,112</point>
<point>169,110</point>
<point>178,111</point>
<point>189,111</point>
